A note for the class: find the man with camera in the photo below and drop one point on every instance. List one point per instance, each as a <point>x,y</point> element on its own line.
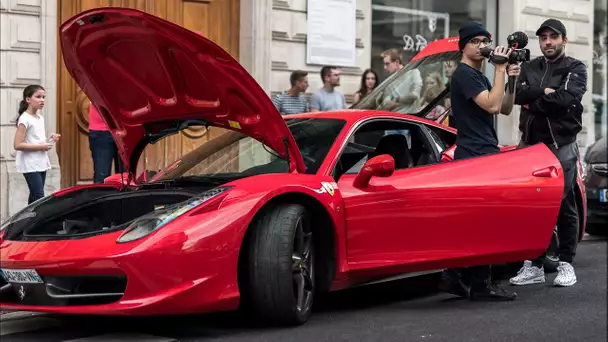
<point>475,101</point>
<point>550,91</point>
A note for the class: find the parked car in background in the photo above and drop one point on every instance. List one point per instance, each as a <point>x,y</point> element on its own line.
<point>596,182</point>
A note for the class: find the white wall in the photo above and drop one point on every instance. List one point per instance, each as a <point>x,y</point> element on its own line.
<point>273,44</point>
<point>288,47</point>
<point>527,16</point>
<point>28,55</point>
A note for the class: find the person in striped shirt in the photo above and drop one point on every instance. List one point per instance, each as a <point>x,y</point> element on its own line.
<point>293,100</point>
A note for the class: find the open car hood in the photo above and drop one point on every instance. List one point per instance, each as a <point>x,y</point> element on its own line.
<point>149,78</point>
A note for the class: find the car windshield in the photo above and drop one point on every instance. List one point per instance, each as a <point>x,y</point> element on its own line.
<point>417,89</point>
<point>234,155</point>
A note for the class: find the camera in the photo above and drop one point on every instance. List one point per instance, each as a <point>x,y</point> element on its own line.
<point>517,41</point>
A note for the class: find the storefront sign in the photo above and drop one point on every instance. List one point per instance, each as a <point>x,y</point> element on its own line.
<point>331,32</point>
<point>416,27</point>
<point>420,43</point>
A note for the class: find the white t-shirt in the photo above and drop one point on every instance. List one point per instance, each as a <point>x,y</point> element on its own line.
<point>32,161</point>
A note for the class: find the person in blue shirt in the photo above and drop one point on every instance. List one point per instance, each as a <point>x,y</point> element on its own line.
<point>475,102</point>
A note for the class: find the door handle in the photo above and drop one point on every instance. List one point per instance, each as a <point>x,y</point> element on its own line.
<point>547,172</point>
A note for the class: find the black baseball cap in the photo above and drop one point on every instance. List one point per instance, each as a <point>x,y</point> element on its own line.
<point>554,25</point>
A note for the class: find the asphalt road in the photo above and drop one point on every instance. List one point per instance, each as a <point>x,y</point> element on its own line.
<point>410,310</point>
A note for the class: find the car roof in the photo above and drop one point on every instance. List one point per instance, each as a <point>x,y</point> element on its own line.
<point>352,116</point>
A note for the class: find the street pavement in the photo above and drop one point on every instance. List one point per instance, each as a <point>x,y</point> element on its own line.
<point>407,310</point>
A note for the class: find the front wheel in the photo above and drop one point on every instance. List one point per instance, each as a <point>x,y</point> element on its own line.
<point>281,271</point>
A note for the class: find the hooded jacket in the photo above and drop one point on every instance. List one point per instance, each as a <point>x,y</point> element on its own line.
<point>554,119</point>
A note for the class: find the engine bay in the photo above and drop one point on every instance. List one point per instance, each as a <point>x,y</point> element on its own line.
<point>107,214</point>
<point>85,214</point>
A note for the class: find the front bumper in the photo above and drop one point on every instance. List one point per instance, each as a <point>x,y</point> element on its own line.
<point>166,275</point>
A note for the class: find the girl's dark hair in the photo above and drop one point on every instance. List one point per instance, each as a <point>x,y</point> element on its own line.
<point>27,92</point>
<point>363,87</point>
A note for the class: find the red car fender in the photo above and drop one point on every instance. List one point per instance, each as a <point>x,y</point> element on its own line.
<point>249,197</point>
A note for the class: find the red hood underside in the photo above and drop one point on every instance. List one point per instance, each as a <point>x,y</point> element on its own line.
<point>145,74</point>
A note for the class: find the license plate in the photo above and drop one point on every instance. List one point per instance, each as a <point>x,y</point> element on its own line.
<point>21,276</point>
<point>603,195</point>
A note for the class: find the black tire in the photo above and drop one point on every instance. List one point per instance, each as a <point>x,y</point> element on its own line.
<point>281,266</point>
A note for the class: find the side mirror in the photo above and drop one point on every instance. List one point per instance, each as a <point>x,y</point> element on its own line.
<point>379,166</point>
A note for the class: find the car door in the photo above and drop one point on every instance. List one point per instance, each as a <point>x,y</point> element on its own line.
<point>489,209</point>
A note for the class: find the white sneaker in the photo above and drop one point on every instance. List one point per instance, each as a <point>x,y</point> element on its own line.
<point>527,264</point>
<point>528,275</point>
<point>565,275</point>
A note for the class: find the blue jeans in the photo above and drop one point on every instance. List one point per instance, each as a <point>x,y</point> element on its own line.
<point>35,182</point>
<point>104,151</point>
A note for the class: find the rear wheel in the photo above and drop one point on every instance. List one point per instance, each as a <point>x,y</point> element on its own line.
<point>281,271</point>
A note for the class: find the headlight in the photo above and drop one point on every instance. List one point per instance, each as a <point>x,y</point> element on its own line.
<point>151,222</point>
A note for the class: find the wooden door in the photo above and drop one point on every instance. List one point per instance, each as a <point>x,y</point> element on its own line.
<point>218,20</point>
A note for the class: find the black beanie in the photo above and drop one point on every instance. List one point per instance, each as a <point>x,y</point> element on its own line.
<point>470,31</point>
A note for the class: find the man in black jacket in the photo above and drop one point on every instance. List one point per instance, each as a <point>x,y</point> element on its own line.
<point>550,90</point>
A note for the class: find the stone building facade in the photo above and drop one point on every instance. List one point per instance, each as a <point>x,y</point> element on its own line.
<point>28,55</point>
<point>272,44</point>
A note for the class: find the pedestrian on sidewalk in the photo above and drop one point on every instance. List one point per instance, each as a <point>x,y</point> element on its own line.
<point>550,92</point>
<point>293,101</point>
<point>369,82</point>
<point>328,97</point>
<point>31,143</point>
<point>103,148</point>
<point>404,96</point>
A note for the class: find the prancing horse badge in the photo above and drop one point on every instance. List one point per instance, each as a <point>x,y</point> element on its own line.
<point>21,292</point>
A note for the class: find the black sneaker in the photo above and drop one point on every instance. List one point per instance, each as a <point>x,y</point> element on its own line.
<point>452,284</point>
<point>492,293</point>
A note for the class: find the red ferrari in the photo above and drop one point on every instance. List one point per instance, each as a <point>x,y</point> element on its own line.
<point>273,211</point>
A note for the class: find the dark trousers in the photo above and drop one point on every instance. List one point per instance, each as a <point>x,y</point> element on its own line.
<point>567,220</point>
<point>477,277</point>
<point>104,151</point>
<point>35,182</point>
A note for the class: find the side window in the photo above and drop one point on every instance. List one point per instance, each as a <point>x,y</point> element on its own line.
<point>404,141</point>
